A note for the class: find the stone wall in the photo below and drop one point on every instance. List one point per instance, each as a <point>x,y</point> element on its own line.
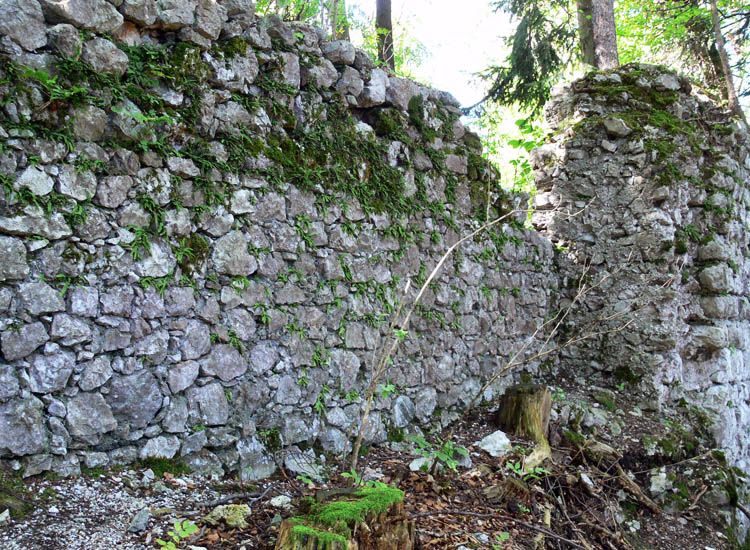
<point>657,178</point>
<point>207,219</point>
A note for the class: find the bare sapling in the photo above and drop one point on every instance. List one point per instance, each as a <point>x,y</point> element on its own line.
<point>397,331</point>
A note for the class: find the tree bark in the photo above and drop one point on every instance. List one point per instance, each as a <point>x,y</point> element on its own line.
<point>339,22</point>
<point>384,27</point>
<point>597,33</point>
<point>525,410</point>
<point>734,104</point>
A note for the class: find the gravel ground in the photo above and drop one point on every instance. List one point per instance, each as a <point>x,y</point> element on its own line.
<point>94,513</point>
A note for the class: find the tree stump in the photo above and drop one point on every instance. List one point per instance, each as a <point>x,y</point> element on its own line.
<point>372,518</point>
<point>524,410</point>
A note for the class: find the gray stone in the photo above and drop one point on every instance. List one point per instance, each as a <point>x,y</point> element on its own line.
<point>139,523</point>
<point>13,264</point>
<point>35,180</point>
<point>425,404</point>
<point>238,7</point>
<point>321,76</point>
<point>22,429</point>
<point>496,444</point>
<point>113,190</point>
<point>217,222</point>
<point>142,12</point>
<point>335,441</point>
<point>182,376</point>
<point>263,357</point>
<point>279,29</point>
<point>288,392</point>
<point>176,416</point>
<point>18,343</point>
<point>95,373</point>
<point>304,463</point>
<point>400,91</point>
<point>69,330</point>
<point>231,257</point>
<point>105,57</point>
<point>94,15</point>
<point>65,40</point>
<point>164,446</point>
<point>350,82</point>
<point>83,301</point>
<point>135,399</point>
<point>720,307</point>
<point>129,122</point>
<point>36,222</point>
<point>235,73</point>
<point>89,415</point>
<point>345,365</point>
<point>39,298</point>
<point>208,404</point>
<point>715,250</point>
<point>616,127</point>
<point>225,362</point>
<point>160,261</point>
<point>50,373</point>
<point>153,347</point>
<point>210,17</point>
<point>8,383</point>
<point>715,278</point>
<point>339,52</point>
<point>256,462</point>
<point>184,168</point>
<point>197,341</point>
<point>117,301</point>
<point>666,81</point>
<point>152,305</point>
<point>23,21</point>
<point>290,72</point>
<point>290,294</point>
<point>374,93</point>
<point>403,411</point>
<point>710,338</point>
<point>457,164</point>
<point>175,14</point>
<point>78,185</point>
<point>194,443</point>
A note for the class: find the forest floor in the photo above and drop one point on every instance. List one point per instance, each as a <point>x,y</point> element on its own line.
<point>651,486</point>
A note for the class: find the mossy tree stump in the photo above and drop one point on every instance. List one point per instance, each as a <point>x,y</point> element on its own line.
<point>525,410</point>
<point>371,518</point>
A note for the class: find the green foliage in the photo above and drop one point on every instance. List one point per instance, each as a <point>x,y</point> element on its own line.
<point>534,474</point>
<point>443,452</point>
<point>159,466</point>
<point>543,42</point>
<point>182,530</point>
<point>320,405</point>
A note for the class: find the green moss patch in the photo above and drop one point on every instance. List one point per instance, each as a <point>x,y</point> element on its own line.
<point>332,522</point>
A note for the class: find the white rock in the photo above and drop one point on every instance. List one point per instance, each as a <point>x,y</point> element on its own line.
<point>496,444</point>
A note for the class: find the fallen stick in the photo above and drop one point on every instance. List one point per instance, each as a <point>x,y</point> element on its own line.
<point>631,486</point>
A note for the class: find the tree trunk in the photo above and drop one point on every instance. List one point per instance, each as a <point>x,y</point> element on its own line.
<point>597,33</point>
<point>384,27</point>
<point>524,410</point>
<point>339,22</point>
<point>388,530</point>
<point>734,104</point>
